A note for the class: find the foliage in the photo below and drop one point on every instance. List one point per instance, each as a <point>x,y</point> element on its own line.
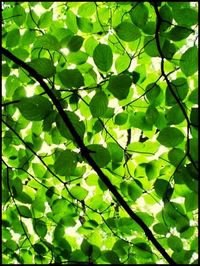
<point>101,164</point>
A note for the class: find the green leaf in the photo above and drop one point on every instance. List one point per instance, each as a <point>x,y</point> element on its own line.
<point>175,115</point>
<point>190,17</point>
<point>40,227</point>
<point>24,198</point>
<point>47,41</point>
<point>160,229</point>
<point>191,201</point>
<point>166,17</point>
<point>175,243</point>
<point>65,163</point>
<point>99,104</point>
<point>103,57</point>
<point>5,70</point>
<point>35,108</point>
<point>75,43</point>
<point>71,21</point>
<point>39,248</point>
<point>19,15</point>
<point>121,118</point>
<point>175,156</point>
<point>152,170</point>
<point>139,15</point>
<point>78,192</point>
<point>178,33</point>
<point>194,117</point>
<point>154,94</point>
<point>170,137</point>
<point>86,9</point>
<point>43,66</point>
<point>110,256</point>
<point>99,154</point>
<point>138,120</point>
<point>161,186</point>
<point>24,211</point>
<point>191,55</point>
<point>134,191</point>
<point>122,63</point>
<point>84,25</point>
<point>75,120</point>
<point>180,88</point>
<point>116,152</point>
<point>119,86</point>
<point>46,5</point>
<point>13,38</point>
<point>71,78</point>
<point>127,32</point>
<point>77,58</point>
<point>46,19</point>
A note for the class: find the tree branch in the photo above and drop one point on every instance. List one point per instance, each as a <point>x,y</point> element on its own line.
<point>86,154</point>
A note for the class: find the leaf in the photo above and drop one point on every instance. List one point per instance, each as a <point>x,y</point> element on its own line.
<point>152,170</point>
<point>122,63</point>
<point>19,15</point>
<point>75,120</point>
<point>178,33</point>
<point>47,41</point>
<point>175,156</point>
<point>190,17</point>
<point>35,108</point>
<point>191,201</point>
<point>175,243</point>
<point>161,186</point>
<point>175,115</point>
<point>180,88</point>
<point>39,248</point>
<point>75,43</point>
<point>43,66</point>
<point>154,94</point>
<point>99,104</point>
<point>86,9</point>
<point>45,19</point>
<point>139,15</point>
<point>121,118</point>
<point>166,17</point>
<point>65,163</point>
<point>160,229</point>
<point>40,227</point>
<point>191,55</point>
<point>116,152</point>
<point>134,191</point>
<point>24,211</point>
<point>47,5</point>
<point>194,117</point>
<point>103,57</point>
<point>78,192</point>
<point>13,38</point>
<point>84,25</point>
<point>99,154</point>
<point>127,32</point>
<point>110,256</point>
<point>77,58</point>
<point>71,78</point>
<point>170,137</point>
<point>119,86</point>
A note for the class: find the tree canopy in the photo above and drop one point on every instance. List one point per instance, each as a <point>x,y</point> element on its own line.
<point>99,132</point>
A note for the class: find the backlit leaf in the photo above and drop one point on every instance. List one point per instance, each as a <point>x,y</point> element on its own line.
<point>35,108</point>
<point>99,104</point>
<point>170,137</point>
<point>127,32</point>
<point>103,57</point>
